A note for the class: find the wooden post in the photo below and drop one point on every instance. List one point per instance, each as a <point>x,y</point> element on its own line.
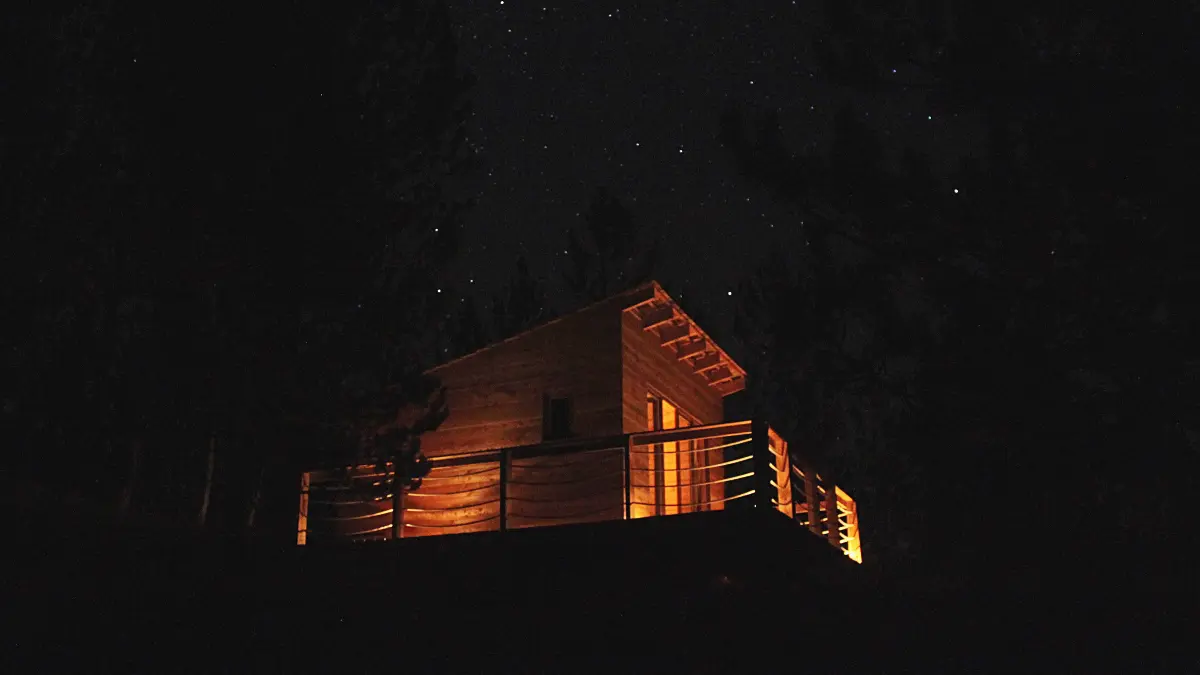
<point>783,477</point>
<point>854,548</point>
<point>399,486</point>
<point>505,474</point>
<point>628,476</point>
<point>202,515</point>
<point>831,515</point>
<point>125,505</point>
<point>763,473</point>
<point>810,497</point>
<point>256,498</point>
<point>302,521</point>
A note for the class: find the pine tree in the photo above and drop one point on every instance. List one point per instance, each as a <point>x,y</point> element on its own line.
<point>1036,269</point>
<point>521,305</point>
<point>245,244</point>
<point>611,252</point>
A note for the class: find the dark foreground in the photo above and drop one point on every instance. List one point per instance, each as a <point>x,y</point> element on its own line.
<point>731,592</point>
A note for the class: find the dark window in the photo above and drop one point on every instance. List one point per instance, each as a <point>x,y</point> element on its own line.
<point>558,418</point>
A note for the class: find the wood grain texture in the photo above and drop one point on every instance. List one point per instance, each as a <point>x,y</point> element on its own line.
<point>496,396</point>
<point>605,363</point>
<point>454,500</point>
<point>339,505</point>
<point>579,488</point>
<point>649,367</point>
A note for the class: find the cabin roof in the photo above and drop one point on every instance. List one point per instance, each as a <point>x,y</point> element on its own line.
<point>680,335</point>
<point>677,332</point>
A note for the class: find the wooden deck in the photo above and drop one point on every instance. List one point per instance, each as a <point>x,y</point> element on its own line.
<point>580,481</point>
<point>741,590</point>
<point>673,594</point>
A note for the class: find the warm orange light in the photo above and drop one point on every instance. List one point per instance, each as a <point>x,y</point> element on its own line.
<point>782,465</point>
<point>674,468</point>
<point>848,534</point>
<point>302,524</point>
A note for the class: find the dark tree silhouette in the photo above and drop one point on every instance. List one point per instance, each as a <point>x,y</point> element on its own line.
<point>612,251</point>
<point>1052,279</point>
<point>233,235</point>
<point>834,329</point>
<point>470,329</point>
<point>521,305</point>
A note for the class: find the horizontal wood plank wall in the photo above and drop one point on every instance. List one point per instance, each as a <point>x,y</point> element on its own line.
<point>567,489</point>
<point>648,367</point>
<point>340,506</point>
<point>454,500</point>
<point>496,395</point>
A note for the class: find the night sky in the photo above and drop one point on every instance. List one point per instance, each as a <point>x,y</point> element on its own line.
<point>220,263</point>
<point>574,96</point>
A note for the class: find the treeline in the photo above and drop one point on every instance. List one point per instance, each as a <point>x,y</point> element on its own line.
<point>999,360</point>
<point>233,248</point>
<point>229,242</point>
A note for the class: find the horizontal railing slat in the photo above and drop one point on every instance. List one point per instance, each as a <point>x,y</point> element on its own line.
<point>538,483</point>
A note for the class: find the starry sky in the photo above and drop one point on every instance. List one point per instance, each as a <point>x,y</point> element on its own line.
<point>573,96</point>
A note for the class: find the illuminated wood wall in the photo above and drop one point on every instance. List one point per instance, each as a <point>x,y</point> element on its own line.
<point>612,363</point>
<point>454,500</point>
<point>647,368</point>
<point>352,503</point>
<point>496,396</point>
<point>579,481</point>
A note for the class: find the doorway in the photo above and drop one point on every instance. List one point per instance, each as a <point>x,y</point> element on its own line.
<point>678,466</point>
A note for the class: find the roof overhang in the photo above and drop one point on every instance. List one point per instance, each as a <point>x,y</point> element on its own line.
<point>679,335</point>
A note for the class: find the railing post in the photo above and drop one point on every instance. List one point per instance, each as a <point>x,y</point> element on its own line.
<point>810,499</point>
<point>505,474</point>
<point>302,520</point>
<point>831,515</point>
<point>783,478</point>
<point>628,476</point>
<point>763,473</point>
<point>399,485</point>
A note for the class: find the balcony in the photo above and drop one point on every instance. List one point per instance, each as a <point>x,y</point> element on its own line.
<point>659,474</point>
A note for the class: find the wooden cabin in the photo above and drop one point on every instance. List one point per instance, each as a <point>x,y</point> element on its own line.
<point>613,412</point>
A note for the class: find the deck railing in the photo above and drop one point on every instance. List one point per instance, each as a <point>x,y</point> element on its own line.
<point>659,473</point>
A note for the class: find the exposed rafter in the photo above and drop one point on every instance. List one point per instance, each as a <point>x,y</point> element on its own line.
<point>646,294</point>
<point>676,332</point>
<point>722,375</point>
<point>658,314</point>
<point>732,386</point>
<point>707,362</point>
<point>687,350</point>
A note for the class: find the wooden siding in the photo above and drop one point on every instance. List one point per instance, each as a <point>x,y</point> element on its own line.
<point>454,500</point>
<point>496,395</point>
<point>579,481</point>
<point>647,367</point>
<point>352,503</point>
<point>567,489</point>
